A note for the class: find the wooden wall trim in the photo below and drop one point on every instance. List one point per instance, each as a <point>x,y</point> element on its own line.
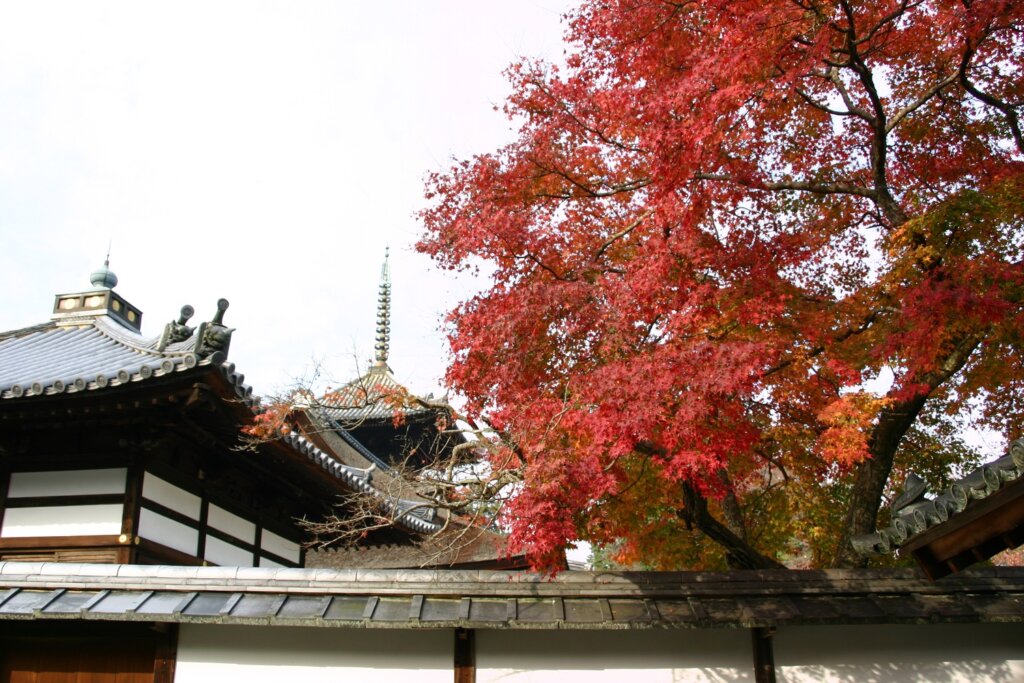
<point>65,501</point>
<point>5,484</point>
<point>48,542</point>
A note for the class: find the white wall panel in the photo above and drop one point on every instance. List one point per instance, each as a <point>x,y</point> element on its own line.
<point>213,654</point>
<point>225,554</point>
<point>170,496</point>
<point>221,519</point>
<point>649,656</point>
<point>159,529</point>
<point>281,547</point>
<point>62,520</point>
<point>950,653</point>
<point>67,482</point>
<point>265,562</point>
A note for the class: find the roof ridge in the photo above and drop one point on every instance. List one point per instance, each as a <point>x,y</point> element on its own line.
<point>39,327</point>
<point>135,341</point>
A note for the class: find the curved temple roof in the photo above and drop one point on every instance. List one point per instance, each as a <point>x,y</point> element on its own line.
<point>91,353</point>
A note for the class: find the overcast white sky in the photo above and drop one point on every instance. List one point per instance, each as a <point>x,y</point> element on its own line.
<point>265,152</point>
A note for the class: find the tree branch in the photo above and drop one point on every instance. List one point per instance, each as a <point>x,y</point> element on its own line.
<point>793,185</point>
<point>739,553</point>
<point>1009,111</point>
<point>919,102</point>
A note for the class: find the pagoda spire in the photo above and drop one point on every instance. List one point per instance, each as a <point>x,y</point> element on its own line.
<point>383,337</point>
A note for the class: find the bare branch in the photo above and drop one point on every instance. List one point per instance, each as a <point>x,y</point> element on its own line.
<point>620,234</point>
<point>799,186</point>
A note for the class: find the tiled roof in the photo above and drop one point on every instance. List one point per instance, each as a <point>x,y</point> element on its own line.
<point>502,599</point>
<point>457,546</point>
<point>920,513</point>
<point>410,514</point>
<point>375,397</point>
<point>94,353</point>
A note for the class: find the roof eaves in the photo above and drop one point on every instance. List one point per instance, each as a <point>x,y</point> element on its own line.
<point>411,515</point>
<point>500,599</point>
<point>917,518</point>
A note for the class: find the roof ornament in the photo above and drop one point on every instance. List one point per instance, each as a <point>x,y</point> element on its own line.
<point>214,337</point>
<point>914,489</point>
<point>383,337</point>
<point>104,277</point>
<point>178,331</point>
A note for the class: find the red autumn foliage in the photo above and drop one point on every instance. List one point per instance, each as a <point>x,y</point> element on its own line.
<point>718,221</point>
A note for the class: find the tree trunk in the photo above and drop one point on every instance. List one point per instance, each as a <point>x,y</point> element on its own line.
<point>873,473</point>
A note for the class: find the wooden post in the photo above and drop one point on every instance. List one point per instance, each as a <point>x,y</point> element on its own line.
<point>5,483</point>
<point>764,655</point>
<point>166,655</point>
<point>128,554</point>
<point>465,656</point>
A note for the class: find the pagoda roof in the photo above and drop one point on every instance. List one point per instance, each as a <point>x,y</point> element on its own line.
<point>377,396</point>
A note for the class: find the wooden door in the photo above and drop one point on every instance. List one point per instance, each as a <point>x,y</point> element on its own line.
<point>116,657</point>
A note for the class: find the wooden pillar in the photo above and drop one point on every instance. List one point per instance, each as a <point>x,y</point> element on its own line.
<point>166,655</point>
<point>5,484</point>
<point>128,552</point>
<point>764,655</point>
<point>465,655</point>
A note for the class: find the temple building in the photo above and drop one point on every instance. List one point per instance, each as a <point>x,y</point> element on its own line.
<point>124,448</point>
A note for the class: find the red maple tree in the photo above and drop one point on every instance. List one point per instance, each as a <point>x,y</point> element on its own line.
<point>723,225</point>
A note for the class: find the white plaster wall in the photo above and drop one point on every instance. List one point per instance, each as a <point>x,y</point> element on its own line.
<point>640,656</point>
<point>932,653</point>
<point>67,483</point>
<point>227,555</point>
<point>62,520</point>
<point>229,523</point>
<point>155,527</point>
<point>170,496</point>
<point>216,654</point>
<point>279,545</point>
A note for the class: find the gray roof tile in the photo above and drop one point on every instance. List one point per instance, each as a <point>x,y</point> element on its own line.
<point>916,518</point>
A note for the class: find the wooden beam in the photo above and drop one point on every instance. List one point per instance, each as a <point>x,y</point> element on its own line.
<point>65,501</point>
<point>53,542</point>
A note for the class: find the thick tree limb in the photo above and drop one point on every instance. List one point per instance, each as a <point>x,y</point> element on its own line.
<point>739,553</point>
<point>1008,110</point>
<point>873,473</point>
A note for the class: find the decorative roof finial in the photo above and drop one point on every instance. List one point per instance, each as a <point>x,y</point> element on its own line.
<point>104,277</point>
<point>383,337</point>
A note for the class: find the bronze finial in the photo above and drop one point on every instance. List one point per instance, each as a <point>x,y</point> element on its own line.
<point>104,277</point>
